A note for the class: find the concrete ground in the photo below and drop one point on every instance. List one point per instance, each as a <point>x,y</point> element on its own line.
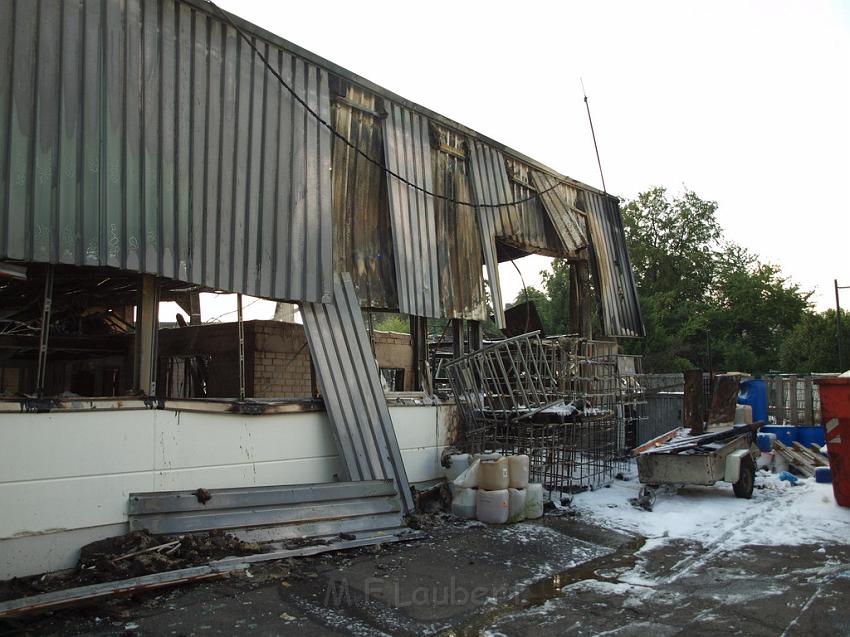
<point>555,576</point>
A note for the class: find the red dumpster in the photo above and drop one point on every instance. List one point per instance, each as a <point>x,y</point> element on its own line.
<point>835,414</point>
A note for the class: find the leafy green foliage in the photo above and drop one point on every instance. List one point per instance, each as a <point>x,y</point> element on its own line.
<point>553,302</point>
<point>388,322</point>
<point>811,345</point>
<point>706,302</point>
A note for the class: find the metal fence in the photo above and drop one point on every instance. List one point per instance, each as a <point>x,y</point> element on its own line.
<point>793,400</point>
<point>663,413</point>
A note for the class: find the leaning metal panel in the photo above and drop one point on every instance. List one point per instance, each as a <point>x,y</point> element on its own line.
<point>351,388</point>
<point>407,150</point>
<point>147,135</point>
<point>612,268</point>
<point>491,186</point>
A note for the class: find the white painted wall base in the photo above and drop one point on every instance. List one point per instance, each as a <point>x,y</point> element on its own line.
<point>65,476</point>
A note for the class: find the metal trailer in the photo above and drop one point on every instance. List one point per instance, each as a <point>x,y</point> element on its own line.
<point>704,460</point>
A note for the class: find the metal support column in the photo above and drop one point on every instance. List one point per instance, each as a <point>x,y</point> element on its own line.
<point>457,338</point>
<point>582,271</point>
<point>195,308</point>
<point>241,328</point>
<point>474,331</point>
<point>147,324</point>
<point>419,336</point>
<point>46,309</point>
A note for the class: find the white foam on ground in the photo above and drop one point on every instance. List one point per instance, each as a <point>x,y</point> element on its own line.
<point>778,514</point>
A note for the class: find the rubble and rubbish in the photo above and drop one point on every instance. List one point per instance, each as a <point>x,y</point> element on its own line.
<point>790,478</point>
<point>133,555</point>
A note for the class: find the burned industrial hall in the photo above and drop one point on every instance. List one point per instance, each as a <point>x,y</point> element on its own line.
<point>270,360</point>
<point>159,151</point>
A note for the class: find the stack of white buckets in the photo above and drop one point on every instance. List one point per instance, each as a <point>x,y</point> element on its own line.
<point>493,488</point>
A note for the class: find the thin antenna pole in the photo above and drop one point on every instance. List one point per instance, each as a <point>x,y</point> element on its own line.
<point>593,133</point>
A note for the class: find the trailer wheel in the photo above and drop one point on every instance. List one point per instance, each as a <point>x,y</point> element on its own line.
<point>743,488</point>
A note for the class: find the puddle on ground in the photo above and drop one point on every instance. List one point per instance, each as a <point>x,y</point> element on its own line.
<point>603,569</point>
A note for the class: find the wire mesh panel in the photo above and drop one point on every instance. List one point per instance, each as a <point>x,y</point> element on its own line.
<point>561,401</point>
<point>632,408</point>
<point>501,383</point>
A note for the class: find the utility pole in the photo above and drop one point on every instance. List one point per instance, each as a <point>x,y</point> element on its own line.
<point>838,323</point>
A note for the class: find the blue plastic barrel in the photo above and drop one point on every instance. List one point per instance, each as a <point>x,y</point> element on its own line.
<point>765,441</point>
<point>754,393</point>
<point>823,475</point>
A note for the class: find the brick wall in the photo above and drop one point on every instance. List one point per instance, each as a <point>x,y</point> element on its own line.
<point>281,361</point>
<point>276,355</point>
<point>393,349</point>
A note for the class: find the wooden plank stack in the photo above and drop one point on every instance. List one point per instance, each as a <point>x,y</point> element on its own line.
<point>803,459</point>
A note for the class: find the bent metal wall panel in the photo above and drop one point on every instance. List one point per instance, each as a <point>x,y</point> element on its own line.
<point>351,389</point>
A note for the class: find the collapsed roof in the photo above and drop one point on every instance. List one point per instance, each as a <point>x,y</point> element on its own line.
<point>167,137</point>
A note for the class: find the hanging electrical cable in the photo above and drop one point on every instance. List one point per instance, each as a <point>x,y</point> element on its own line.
<point>525,292</point>
<point>380,164</point>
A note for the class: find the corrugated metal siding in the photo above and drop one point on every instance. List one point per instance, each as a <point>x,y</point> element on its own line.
<point>491,186</point>
<point>363,244</point>
<point>527,225</point>
<point>146,135</point>
<point>271,512</point>
<point>611,266</point>
<point>458,235</point>
<point>351,388</point>
<point>559,201</point>
<point>407,152</point>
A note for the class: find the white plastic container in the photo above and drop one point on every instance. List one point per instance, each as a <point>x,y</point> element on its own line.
<point>743,414</point>
<point>534,501</point>
<point>516,505</point>
<point>469,478</point>
<point>458,463</point>
<point>493,474</point>
<point>518,471</point>
<point>463,502</point>
<point>492,507</point>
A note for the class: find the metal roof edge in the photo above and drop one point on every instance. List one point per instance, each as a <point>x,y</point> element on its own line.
<point>256,30</point>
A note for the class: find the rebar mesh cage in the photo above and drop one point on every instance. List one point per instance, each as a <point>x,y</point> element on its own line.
<point>562,401</point>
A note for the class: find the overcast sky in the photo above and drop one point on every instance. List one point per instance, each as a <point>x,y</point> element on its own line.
<point>746,103</point>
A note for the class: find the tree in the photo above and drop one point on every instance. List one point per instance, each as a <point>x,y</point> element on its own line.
<point>674,242</point>
<point>553,302</point>
<point>700,293</point>
<point>753,311</point>
<point>556,282</point>
<point>811,345</point>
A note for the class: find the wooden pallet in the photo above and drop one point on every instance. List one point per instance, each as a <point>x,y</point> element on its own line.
<point>803,459</point>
